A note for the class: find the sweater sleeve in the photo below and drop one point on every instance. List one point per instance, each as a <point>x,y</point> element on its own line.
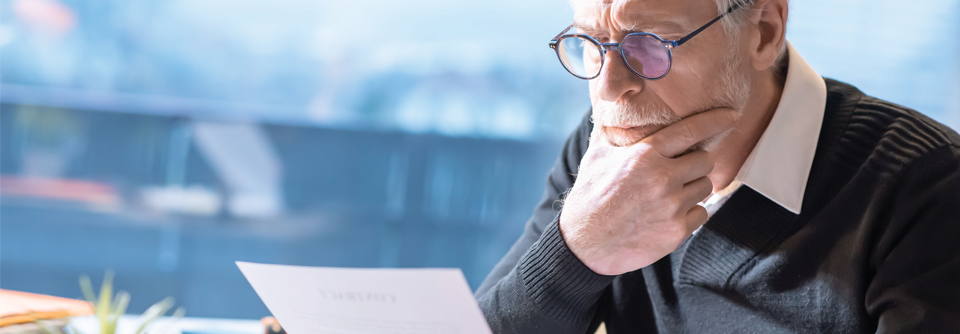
<point>540,286</point>
<point>916,288</point>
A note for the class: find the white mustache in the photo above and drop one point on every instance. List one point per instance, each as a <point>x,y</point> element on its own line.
<point>607,113</point>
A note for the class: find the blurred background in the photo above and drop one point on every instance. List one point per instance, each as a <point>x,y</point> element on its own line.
<point>167,139</point>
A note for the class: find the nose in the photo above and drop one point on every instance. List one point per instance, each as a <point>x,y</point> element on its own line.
<point>616,81</point>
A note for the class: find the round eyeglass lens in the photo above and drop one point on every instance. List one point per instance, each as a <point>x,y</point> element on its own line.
<point>646,55</point>
<point>580,56</point>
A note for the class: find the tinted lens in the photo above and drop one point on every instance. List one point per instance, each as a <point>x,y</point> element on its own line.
<point>580,56</point>
<point>646,55</point>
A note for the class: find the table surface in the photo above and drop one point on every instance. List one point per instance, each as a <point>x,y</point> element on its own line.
<point>188,325</point>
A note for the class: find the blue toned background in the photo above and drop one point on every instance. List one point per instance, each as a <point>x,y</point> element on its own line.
<point>168,139</point>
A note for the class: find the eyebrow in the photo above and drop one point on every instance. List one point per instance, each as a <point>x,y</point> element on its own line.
<point>671,26</point>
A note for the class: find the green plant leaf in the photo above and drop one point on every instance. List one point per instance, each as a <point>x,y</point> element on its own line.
<point>47,328</point>
<point>120,304</point>
<point>103,305</point>
<point>118,308</point>
<point>109,327</point>
<point>154,312</point>
<point>171,323</point>
<point>179,313</point>
<point>87,289</point>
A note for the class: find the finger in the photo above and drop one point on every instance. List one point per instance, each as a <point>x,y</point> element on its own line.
<point>693,165</point>
<point>696,191</point>
<point>678,137</point>
<point>696,217</point>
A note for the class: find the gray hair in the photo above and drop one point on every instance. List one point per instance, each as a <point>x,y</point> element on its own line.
<point>733,21</point>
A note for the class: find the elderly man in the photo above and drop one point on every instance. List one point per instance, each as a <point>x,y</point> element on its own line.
<point>721,185</point>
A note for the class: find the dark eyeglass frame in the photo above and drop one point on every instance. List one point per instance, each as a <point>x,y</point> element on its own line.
<point>604,47</point>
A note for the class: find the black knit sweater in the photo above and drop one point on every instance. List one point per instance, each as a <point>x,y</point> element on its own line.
<point>876,247</point>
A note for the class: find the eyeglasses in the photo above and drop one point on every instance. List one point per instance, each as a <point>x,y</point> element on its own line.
<point>646,54</point>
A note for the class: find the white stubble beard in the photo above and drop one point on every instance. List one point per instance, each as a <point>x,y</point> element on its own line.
<point>735,96</point>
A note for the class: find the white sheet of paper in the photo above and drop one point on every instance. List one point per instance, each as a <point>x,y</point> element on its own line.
<point>367,301</point>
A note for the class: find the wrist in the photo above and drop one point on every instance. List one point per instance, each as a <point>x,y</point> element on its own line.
<point>557,281</point>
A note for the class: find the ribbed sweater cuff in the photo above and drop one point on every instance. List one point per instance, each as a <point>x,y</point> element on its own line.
<point>559,284</point>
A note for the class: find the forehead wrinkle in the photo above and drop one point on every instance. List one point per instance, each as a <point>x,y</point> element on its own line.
<point>591,14</point>
<point>617,9</point>
<point>634,15</point>
<point>622,16</point>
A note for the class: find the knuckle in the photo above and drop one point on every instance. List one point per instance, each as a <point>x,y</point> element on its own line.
<point>644,148</point>
<point>672,172</point>
<point>675,205</point>
<point>679,231</point>
<point>654,144</point>
<point>641,155</point>
<point>690,132</point>
<point>660,181</point>
<point>658,176</point>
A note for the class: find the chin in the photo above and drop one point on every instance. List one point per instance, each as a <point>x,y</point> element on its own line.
<point>621,137</point>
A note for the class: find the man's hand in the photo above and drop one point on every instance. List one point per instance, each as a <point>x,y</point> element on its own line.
<point>631,206</point>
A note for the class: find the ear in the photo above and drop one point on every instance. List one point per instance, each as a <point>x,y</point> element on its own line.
<point>769,32</point>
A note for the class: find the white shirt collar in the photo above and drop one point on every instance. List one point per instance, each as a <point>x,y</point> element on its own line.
<point>778,167</point>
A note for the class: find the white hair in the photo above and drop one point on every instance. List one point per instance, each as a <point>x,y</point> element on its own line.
<point>734,21</point>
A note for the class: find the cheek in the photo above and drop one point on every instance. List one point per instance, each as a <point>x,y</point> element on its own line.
<point>689,86</point>
<point>682,93</point>
<point>593,90</point>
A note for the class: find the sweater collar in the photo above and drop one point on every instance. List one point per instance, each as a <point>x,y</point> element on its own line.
<point>779,165</point>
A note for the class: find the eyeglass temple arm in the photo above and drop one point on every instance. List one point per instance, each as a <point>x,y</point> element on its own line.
<point>561,33</point>
<point>705,26</point>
